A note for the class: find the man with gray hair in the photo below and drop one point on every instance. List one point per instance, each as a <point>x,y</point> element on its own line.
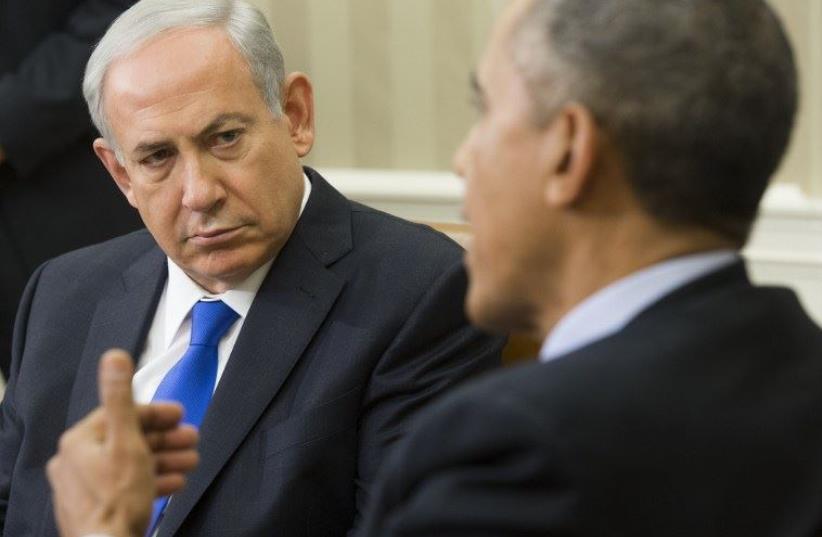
<point>615,172</point>
<point>300,331</point>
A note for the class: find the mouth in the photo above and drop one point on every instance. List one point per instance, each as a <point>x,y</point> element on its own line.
<point>214,237</point>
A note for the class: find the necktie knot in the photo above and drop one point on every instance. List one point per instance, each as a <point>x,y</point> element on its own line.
<point>209,322</point>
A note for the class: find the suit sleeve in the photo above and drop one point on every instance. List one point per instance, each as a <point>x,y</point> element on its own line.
<point>42,109</point>
<point>478,466</point>
<point>11,430</point>
<point>435,350</point>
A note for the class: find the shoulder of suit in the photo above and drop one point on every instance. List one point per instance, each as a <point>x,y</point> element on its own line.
<point>515,397</point>
<point>372,227</point>
<point>113,255</point>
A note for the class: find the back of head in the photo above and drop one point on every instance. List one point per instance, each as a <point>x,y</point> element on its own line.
<point>699,96</point>
<point>245,25</point>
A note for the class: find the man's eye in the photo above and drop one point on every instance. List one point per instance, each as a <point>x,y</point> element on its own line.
<point>227,138</point>
<point>158,158</point>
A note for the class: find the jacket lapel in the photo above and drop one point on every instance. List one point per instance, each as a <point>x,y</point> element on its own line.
<point>121,320</point>
<point>291,305</point>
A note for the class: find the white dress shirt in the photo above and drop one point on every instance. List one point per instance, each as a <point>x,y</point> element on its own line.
<point>610,309</point>
<point>170,331</point>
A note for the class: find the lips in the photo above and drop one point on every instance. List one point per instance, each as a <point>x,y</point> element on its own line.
<point>213,233</point>
<point>214,237</point>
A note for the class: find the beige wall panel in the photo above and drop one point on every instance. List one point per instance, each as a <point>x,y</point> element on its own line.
<point>482,20</point>
<point>391,75</point>
<point>413,86</point>
<point>329,30</point>
<point>803,165</point>
<point>813,97</point>
<point>453,62</point>
<point>373,100</point>
<point>289,20</point>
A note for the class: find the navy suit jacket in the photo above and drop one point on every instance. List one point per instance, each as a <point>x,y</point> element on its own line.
<point>358,324</point>
<point>702,417</point>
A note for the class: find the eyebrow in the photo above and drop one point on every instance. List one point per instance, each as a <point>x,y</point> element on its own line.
<point>146,148</point>
<point>218,123</point>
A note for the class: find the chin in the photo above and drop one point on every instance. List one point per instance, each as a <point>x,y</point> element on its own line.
<point>496,311</point>
<point>486,312</point>
<point>219,275</point>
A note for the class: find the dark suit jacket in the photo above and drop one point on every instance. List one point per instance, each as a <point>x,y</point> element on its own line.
<point>358,324</point>
<point>703,417</point>
<point>54,194</point>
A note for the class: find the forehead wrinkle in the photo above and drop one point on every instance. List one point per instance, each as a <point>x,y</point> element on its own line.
<point>194,126</point>
<point>161,82</point>
<point>171,105</point>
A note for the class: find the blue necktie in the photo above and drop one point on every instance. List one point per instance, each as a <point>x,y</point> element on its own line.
<point>191,381</point>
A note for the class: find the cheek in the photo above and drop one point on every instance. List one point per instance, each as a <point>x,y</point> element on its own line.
<point>496,212</point>
<point>159,207</point>
<point>273,199</point>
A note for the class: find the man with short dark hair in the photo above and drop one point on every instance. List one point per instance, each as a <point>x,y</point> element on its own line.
<point>611,179</point>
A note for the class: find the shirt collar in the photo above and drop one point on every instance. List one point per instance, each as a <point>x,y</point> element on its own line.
<point>611,308</point>
<point>182,292</point>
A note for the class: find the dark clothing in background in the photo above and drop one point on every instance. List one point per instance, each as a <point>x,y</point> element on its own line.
<point>702,417</point>
<point>55,196</point>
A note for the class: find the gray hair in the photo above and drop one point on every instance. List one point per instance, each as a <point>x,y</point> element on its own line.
<point>698,95</point>
<point>245,25</point>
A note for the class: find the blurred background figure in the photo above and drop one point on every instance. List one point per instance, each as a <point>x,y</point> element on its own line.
<point>54,194</point>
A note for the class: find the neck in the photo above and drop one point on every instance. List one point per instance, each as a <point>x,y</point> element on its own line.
<point>612,253</point>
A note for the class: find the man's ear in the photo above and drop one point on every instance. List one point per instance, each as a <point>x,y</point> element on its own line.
<point>117,171</point>
<point>298,107</point>
<point>572,147</point>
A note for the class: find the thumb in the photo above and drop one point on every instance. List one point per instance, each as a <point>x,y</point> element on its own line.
<point>114,377</point>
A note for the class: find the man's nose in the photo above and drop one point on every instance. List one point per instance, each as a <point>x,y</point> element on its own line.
<point>202,186</point>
